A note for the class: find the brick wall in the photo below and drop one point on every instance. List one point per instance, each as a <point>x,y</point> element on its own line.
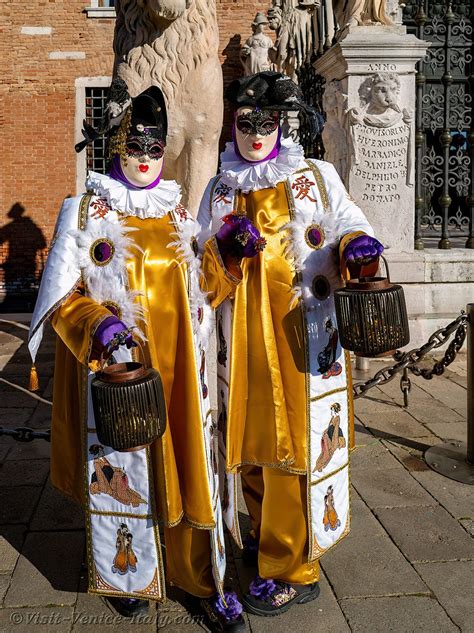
<point>44,46</point>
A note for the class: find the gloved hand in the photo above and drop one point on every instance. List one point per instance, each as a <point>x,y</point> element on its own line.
<point>110,334</point>
<point>239,238</point>
<point>362,250</point>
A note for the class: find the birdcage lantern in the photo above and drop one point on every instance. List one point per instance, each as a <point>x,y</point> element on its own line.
<point>372,316</point>
<point>129,406</point>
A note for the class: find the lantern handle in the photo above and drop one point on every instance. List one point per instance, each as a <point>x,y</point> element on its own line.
<point>386,267</point>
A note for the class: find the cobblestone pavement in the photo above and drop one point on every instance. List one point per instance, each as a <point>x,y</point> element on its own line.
<point>407,565</point>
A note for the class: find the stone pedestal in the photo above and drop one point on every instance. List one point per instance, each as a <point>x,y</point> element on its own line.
<point>438,284</point>
<point>369,101</point>
<point>370,104</point>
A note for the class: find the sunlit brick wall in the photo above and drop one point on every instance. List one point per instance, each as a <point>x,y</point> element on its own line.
<point>44,46</point>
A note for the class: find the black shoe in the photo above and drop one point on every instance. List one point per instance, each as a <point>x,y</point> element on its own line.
<point>272,597</point>
<point>128,607</point>
<point>217,617</point>
<point>250,551</point>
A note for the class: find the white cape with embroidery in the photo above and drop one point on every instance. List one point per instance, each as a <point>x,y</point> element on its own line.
<point>83,220</point>
<point>317,201</point>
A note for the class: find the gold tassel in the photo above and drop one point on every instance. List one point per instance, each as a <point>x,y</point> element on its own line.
<point>34,382</point>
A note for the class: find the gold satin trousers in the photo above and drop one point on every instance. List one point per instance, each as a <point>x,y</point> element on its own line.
<point>188,560</point>
<point>276,501</point>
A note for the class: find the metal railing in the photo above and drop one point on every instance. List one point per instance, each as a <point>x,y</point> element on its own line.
<point>97,152</point>
<point>444,206</point>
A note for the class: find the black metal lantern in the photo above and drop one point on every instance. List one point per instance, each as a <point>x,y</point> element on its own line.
<point>372,316</point>
<point>129,406</point>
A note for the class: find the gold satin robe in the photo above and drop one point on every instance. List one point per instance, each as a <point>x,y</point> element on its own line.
<point>266,423</point>
<point>267,413</point>
<point>267,402</point>
<point>178,458</point>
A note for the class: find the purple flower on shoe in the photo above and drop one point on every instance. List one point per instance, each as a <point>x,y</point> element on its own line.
<point>231,609</point>
<point>262,588</point>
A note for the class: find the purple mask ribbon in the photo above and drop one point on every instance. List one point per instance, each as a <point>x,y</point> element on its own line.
<point>116,172</point>
<point>273,154</point>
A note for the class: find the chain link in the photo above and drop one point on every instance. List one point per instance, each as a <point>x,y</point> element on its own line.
<point>409,360</point>
<point>25,434</point>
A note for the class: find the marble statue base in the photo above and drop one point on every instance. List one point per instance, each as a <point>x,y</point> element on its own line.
<point>370,105</point>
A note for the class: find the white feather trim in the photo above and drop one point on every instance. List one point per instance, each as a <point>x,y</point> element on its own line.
<point>294,239</point>
<point>247,177</point>
<point>307,261</point>
<point>185,244</point>
<point>142,203</point>
<point>116,235</point>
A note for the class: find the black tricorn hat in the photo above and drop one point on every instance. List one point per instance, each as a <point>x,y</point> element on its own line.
<point>149,112</point>
<point>148,109</point>
<point>267,90</point>
<point>270,90</point>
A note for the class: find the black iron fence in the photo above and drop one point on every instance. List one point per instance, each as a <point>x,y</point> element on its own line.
<point>444,123</point>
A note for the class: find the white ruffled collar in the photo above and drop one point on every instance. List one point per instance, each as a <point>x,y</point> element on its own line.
<point>142,203</point>
<point>247,177</point>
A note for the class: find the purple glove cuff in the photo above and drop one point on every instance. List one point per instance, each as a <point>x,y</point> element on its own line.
<point>363,249</point>
<point>107,330</point>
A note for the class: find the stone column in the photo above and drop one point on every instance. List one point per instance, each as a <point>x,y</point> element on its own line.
<point>370,105</point>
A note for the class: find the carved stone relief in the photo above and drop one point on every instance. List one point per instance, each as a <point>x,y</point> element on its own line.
<point>394,10</point>
<point>381,131</point>
<point>360,12</point>
<point>336,139</point>
<point>292,21</point>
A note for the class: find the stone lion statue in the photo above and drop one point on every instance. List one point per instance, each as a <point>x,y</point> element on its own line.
<point>174,44</point>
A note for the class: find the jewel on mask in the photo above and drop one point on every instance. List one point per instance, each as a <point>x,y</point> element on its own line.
<point>263,122</point>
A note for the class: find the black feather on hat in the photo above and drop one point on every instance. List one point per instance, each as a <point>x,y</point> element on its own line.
<point>266,90</point>
<point>272,91</point>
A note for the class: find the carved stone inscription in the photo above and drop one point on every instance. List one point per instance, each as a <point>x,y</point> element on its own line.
<point>382,161</point>
<point>381,144</point>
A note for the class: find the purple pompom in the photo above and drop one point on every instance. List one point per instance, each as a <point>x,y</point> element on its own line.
<point>233,608</point>
<point>262,588</point>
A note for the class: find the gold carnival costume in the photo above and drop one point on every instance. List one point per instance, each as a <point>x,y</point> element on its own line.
<point>280,364</point>
<point>155,247</point>
<point>125,259</point>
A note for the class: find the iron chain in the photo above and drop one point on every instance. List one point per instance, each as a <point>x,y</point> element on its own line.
<point>25,434</point>
<point>409,360</point>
